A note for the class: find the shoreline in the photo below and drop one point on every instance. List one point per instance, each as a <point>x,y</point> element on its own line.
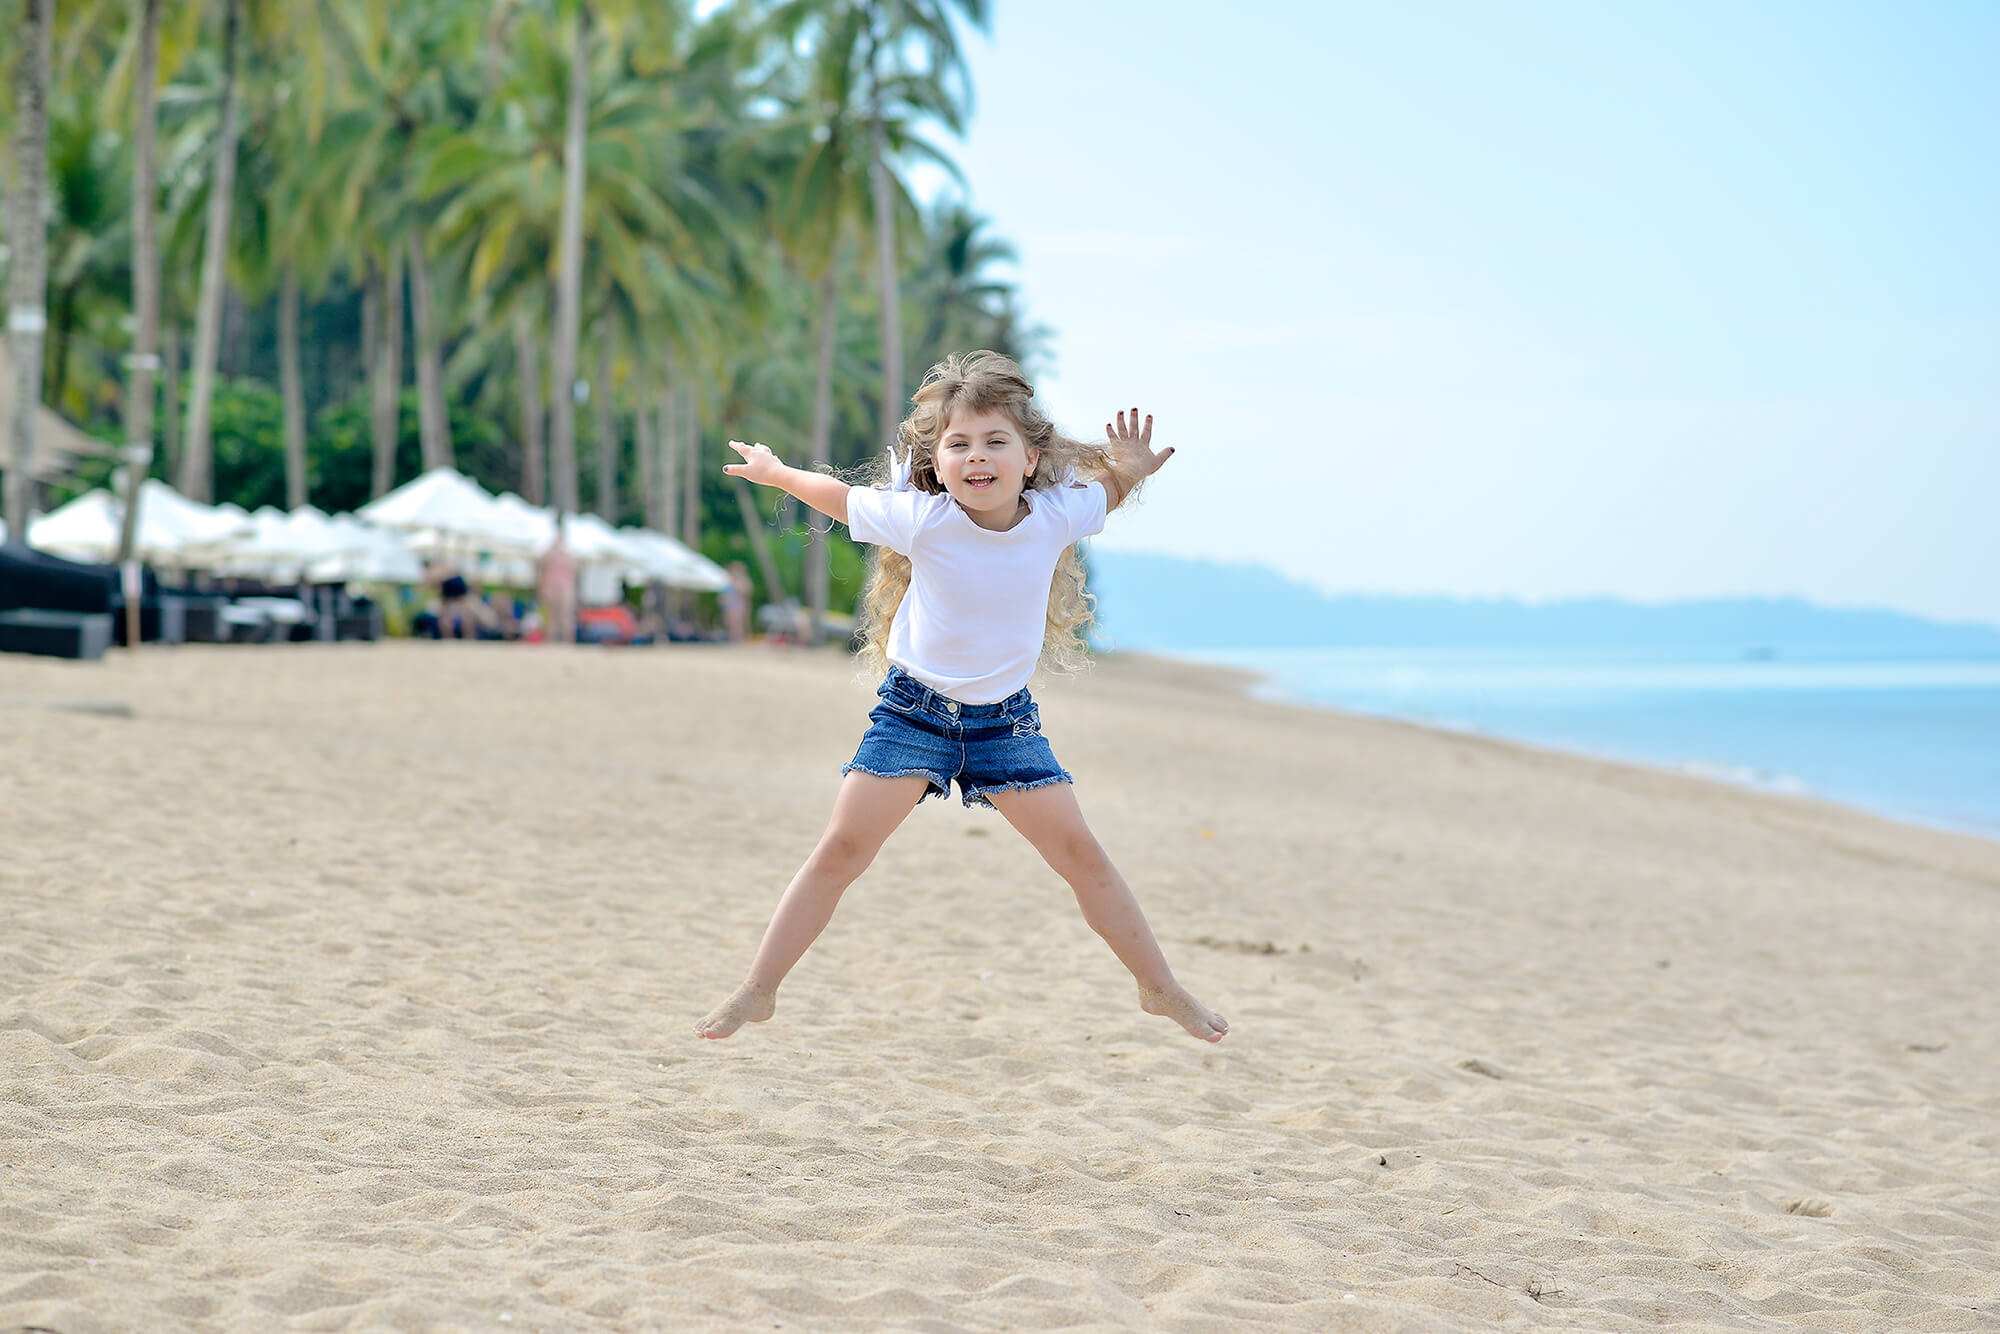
<point>1258,685</point>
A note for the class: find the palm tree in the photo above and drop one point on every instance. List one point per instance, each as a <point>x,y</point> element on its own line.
<point>385,374</point>
<point>645,225</point>
<point>241,21</point>
<point>534,463</point>
<point>569,273</point>
<point>87,248</point>
<point>607,426</point>
<point>965,305</point>
<point>846,118</point>
<point>282,244</point>
<point>145,287</point>
<point>400,91</point>
<point>815,147</point>
<point>939,87</point>
<point>27,314</point>
<point>197,477</point>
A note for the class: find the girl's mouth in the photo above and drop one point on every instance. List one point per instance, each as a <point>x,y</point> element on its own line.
<point>979,483</point>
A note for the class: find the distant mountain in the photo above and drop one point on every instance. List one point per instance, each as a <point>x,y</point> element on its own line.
<point>1167,602</point>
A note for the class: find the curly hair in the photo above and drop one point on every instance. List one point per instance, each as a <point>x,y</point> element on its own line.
<point>983,382</point>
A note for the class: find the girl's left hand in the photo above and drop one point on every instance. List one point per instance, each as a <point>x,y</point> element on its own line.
<point>1135,445</point>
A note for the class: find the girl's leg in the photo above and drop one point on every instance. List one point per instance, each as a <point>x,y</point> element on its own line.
<point>865,813</point>
<point>1049,818</point>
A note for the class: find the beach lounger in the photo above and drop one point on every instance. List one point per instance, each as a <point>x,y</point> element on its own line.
<point>364,620</point>
<point>203,620</point>
<point>30,578</point>
<point>82,635</point>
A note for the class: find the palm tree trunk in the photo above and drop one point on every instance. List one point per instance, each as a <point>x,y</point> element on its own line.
<point>666,433</point>
<point>760,544</point>
<point>690,470</point>
<point>569,281</point>
<point>822,446</point>
<point>529,373</point>
<point>607,430</point>
<point>230,352</point>
<point>197,476</point>
<point>27,313</point>
<point>645,457</point>
<point>385,413</point>
<point>145,357</point>
<point>434,422</point>
<point>370,318</point>
<point>56,342</point>
<point>289,385</point>
<point>887,271</point>
<point>170,395</point>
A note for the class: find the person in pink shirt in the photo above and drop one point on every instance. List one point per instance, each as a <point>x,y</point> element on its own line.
<point>555,581</point>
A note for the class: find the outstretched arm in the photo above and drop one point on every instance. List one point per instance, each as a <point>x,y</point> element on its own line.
<point>1133,459</point>
<point>826,494</point>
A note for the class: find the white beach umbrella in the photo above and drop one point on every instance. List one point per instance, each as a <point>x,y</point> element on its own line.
<point>538,526</point>
<point>672,562</point>
<point>363,554</point>
<point>258,549</point>
<point>86,529</point>
<point>594,542</point>
<point>173,530</point>
<point>536,521</point>
<point>311,521</point>
<point>445,511</point>
<point>279,545</point>
<point>202,526</point>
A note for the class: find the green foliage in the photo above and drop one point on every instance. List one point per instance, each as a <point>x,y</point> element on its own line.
<point>847,560</point>
<point>249,444</point>
<point>340,453</point>
<point>726,168</point>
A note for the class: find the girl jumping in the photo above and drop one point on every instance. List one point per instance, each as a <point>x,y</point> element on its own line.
<point>975,581</point>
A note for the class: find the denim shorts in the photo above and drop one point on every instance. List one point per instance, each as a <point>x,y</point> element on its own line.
<point>986,747</point>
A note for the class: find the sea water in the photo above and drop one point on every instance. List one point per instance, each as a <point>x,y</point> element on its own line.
<point>1917,740</point>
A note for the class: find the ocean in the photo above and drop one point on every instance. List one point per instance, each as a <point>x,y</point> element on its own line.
<point>1914,739</point>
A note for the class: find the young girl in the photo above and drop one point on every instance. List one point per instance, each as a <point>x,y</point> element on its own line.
<point>975,581</point>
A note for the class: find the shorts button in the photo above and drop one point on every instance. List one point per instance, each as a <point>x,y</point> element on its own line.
<point>951,706</point>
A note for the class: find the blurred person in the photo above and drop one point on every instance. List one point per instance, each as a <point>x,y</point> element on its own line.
<point>736,603</point>
<point>555,583</point>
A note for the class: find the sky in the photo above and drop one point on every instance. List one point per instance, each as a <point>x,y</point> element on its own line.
<point>1538,300</point>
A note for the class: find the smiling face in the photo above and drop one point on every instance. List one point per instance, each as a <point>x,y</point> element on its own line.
<point>983,462</point>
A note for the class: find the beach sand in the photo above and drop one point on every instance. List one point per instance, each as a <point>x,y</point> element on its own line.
<point>349,987</point>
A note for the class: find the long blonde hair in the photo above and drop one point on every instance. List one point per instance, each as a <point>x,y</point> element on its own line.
<point>983,382</point>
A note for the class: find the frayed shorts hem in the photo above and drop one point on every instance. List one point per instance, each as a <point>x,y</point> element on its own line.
<point>976,796</point>
<point>940,786</point>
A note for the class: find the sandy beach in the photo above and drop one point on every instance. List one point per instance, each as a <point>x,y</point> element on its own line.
<point>349,988</point>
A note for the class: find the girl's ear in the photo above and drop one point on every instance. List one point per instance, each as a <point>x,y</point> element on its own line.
<point>1034,457</point>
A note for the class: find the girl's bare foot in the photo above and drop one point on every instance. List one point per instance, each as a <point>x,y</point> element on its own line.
<point>749,1005</point>
<point>1175,1004</point>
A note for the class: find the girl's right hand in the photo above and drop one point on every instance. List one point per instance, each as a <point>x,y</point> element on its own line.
<point>759,464</point>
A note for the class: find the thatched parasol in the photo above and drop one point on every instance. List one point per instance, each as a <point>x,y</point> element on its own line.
<point>58,445</point>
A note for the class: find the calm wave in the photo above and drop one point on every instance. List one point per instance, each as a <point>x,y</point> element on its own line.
<point>1916,740</point>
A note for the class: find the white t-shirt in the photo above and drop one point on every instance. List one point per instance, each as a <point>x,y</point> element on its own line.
<point>972,622</point>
